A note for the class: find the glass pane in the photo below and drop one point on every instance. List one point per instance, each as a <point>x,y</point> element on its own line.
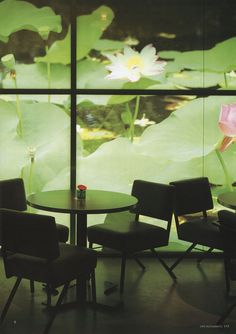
<point>155,138</point>
<point>35,141</point>
<point>220,44</point>
<point>123,52</point>
<point>34,44</point>
<point>219,146</point>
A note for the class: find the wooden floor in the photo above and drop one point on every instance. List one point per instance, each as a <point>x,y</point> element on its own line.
<point>153,304</point>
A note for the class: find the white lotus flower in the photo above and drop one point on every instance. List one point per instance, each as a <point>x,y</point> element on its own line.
<point>133,65</point>
<point>143,121</point>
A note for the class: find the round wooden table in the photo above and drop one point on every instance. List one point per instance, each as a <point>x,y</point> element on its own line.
<point>96,202</point>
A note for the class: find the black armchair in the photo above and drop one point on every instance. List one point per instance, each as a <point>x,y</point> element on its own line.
<point>124,231</point>
<point>193,196</point>
<point>31,251</point>
<point>227,221</point>
<point>12,196</point>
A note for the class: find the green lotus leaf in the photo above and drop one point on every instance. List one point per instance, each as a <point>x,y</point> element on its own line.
<point>56,99</point>
<point>42,123</point>
<point>117,99</point>
<point>17,15</point>
<point>58,53</point>
<point>108,45</point>
<point>169,55</point>
<point>13,149</point>
<point>143,83</point>
<point>50,159</point>
<point>92,74</point>
<point>89,29</point>
<point>195,79</point>
<point>218,59</point>
<point>12,158</point>
<point>213,168</point>
<point>100,100</point>
<point>221,57</point>
<point>120,159</point>
<point>8,121</point>
<point>190,132</point>
<point>35,75</point>
<point>46,128</point>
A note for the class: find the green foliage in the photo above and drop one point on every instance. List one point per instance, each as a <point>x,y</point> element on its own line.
<point>89,29</point>
<point>181,145</point>
<point>17,15</point>
<point>59,52</point>
<point>35,75</point>
<point>108,45</point>
<point>219,59</point>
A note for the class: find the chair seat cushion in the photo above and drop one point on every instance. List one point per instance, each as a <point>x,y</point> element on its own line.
<point>200,232</point>
<point>62,232</point>
<point>72,263</point>
<point>121,232</point>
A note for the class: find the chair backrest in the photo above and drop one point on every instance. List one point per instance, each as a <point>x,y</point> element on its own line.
<point>192,196</point>
<point>227,221</point>
<point>28,234</point>
<point>12,194</point>
<point>154,199</point>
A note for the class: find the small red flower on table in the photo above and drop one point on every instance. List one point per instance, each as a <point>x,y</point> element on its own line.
<point>81,187</point>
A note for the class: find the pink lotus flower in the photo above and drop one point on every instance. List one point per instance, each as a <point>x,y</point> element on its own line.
<point>227,124</point>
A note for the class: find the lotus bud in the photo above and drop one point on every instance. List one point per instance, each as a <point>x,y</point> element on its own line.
<point>31,152</point>
<point>9,61</point>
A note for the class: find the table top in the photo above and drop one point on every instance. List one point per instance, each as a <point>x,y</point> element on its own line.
<point>97,201</point>
<point>228,199</point>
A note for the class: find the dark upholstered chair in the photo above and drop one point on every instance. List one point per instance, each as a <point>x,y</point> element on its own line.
<point>12,196</point>
<point>31,251</point>
<point>124,231</point>
<point>227,221</point>
<point>192,201</point>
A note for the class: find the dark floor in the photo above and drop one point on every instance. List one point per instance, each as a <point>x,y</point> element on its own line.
<point>152,302</point>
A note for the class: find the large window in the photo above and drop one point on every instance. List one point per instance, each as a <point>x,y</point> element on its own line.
<point>105,92</point>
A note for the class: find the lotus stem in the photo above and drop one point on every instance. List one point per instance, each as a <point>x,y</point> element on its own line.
<point>226,81</point>
<point>228,180</point>
<point>136,110</point>
<point>48,72</point>
<point>31,175</point>
<point>18,111</point>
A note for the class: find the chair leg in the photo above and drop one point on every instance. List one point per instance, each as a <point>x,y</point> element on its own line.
<point>205,255</point>
<point>56,308</point>
<point>170,272</point>
<point>226,314</point>
<point>122,273</point>
<point>49,295</point>
<point>181,257</point>
<point>141,265</point>
<point>31,286</point>
<point>10,298</point>
<point>93,286</point>
<point>227,279</point>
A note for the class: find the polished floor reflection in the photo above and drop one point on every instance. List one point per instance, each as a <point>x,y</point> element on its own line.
<point>152,302</point>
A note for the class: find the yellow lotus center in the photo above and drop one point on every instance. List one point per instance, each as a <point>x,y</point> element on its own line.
<point>135,62</point>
